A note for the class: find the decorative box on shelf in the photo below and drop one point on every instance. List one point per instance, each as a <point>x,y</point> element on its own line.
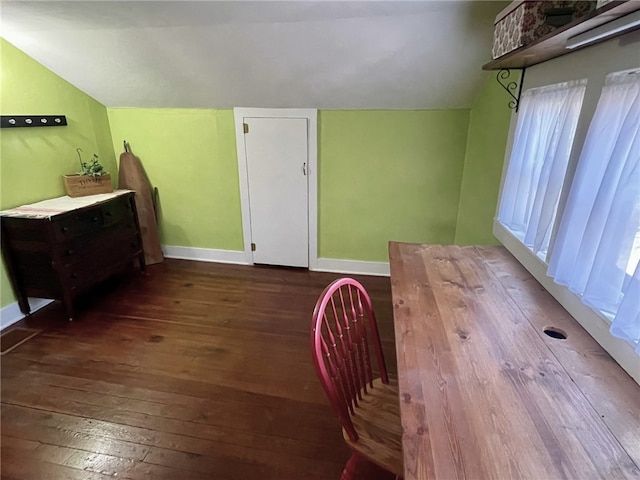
<point>524,21</point>
<point>82,185</point>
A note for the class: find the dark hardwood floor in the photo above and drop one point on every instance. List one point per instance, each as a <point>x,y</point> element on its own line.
<point>191,371</point>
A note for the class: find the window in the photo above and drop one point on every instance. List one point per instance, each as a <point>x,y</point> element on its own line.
<point>597,246</point>
<point>543,139</point>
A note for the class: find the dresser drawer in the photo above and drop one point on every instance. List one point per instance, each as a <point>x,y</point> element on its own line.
<point>69,226</point>
<point>120,209</point>
<point>73,224</point>
<point>85,268</point>
<point>96,243</point>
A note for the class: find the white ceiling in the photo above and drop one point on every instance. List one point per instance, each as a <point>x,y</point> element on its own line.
<point>278,54</point>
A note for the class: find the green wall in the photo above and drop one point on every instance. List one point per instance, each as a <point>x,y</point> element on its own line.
<point>388,175</point>
<point>33,160</point>
<point>485,150</point>
<point>415,176</point>
<point>383,175</point>
<point>190,155</point>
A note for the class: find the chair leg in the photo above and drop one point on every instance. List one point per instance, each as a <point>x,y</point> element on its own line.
<point>351,467</point>
<point>359,468</point>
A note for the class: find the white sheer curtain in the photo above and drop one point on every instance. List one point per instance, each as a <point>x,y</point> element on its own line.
<point>544,135</point>
<point>597,246</point>
<point>626,323</point>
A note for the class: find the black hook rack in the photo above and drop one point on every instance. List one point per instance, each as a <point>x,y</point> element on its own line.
<point>511,86</point>
<point>16,121</point>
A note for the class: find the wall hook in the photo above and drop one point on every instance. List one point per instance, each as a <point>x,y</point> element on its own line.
<point>15,121</point>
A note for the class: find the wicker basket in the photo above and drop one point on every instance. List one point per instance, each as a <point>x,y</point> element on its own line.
<point>82,185</point>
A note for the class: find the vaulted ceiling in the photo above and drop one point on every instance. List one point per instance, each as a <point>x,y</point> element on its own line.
<point>279,54</point>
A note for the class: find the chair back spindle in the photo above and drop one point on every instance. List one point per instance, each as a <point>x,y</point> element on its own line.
<point>343,329</point>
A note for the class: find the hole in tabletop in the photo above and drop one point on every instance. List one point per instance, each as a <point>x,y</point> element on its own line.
<point>555,332</point>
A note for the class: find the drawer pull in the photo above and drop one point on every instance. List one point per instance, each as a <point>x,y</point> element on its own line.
<point>71,251</point>
<point>94,219</point>
<point>65,229</point>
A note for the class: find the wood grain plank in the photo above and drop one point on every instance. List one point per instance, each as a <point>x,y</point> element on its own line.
<point>191,371</point>
<point>19,464</point>
<point>417,342</point>
<point>589,366</point>
<point>496,401</point>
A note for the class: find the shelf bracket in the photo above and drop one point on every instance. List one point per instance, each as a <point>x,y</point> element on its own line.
<point>511,86</point>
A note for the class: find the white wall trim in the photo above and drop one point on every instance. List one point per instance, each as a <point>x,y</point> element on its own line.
<point>205,254</point>
<point>311,115</point>
<point>11,313</point>
<point>596,325</point>
<point>336,265</point>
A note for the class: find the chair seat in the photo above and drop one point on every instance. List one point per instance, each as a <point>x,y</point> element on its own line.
<point>377,421</point>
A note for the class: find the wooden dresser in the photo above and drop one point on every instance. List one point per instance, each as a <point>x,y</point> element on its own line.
<point>61,247</point>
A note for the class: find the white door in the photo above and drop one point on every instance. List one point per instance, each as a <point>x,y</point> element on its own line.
<point>276,156</point>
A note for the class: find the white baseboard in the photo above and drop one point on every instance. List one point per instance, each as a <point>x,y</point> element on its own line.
<point>336,265</point>
<point>11,313</point>
<point>205,254</point>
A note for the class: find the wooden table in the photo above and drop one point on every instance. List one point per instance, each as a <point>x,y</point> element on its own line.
<point>484,393</point>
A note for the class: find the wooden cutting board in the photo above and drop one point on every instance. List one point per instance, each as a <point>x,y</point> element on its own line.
<point>133,177</point>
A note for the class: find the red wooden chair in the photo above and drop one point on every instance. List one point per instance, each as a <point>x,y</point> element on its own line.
<point>343,332</point>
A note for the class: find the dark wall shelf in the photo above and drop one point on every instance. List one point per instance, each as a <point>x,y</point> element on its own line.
<point>554,44</point>
<point>18,121</point>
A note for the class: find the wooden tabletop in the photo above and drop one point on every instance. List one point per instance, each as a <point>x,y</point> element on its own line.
<point>484,393</point>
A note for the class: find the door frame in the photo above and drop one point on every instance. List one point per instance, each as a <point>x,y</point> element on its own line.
<point>311,115</point>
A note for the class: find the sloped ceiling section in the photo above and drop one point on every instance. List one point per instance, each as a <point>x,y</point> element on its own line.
<point>211,54</point>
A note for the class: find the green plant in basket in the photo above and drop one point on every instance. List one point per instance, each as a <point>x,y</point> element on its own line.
<point>92,179</point>
<point>92,168</point>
